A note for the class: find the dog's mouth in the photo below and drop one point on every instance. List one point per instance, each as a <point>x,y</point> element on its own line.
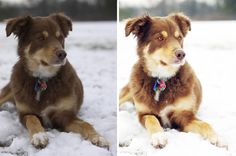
<point>179,62</point>
<point>173,63</point>
<point>163,63</point>
<point>44,63</point>
<point>56,62</point>
<point>59,62</point>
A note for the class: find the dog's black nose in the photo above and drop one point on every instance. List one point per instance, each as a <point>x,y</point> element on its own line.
<point>180,54</point>
<point>61,54</point>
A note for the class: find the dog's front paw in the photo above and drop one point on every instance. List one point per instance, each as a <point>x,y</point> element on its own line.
<point>159,140</point>
<point>218,141</point>
<point>39,140</point>
<point>99,141</point>
<point>214,139</point>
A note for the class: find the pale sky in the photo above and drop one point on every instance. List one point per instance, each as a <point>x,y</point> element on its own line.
<point>136,3</point>
<point>13,1</point>
<point>20,1</point>
<point>148,3</point>
<point>132,3</point>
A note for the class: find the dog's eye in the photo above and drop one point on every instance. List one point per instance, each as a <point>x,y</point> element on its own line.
<point>41,38</point>
<point>160,38</point>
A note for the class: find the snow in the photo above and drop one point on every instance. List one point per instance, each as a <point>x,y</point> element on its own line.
<point>91,48</point>
<point>210,48</point>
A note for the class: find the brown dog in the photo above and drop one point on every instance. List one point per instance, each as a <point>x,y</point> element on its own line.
<point>44,86</point>
<point>163,87</point>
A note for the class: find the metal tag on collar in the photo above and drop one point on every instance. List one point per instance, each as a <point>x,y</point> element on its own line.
<point>159,85</point>
<point>40,86</point>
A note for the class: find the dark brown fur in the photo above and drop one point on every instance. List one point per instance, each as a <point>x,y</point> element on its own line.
<point>40,40</point>
<point>58,87</point>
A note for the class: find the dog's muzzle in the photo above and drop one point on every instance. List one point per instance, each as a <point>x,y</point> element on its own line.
<point>180,54</point>
<point>61,54</point>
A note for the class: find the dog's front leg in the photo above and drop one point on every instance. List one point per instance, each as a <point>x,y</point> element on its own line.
<point>153,126</point>
<point>36,131</point>
<point>69,122</point>
<point>188,122</point>
<point>86,131</point>
<point>206,131</point>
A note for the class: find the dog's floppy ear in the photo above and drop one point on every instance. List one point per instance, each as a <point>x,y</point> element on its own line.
<point>182,21</point>
<point>63,21</point>
<point>17,25</point>
<point>138,26</point>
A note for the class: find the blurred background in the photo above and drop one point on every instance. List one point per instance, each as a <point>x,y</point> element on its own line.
<point>196,9</point>
<point>81,10</point>
<point>91,49</point>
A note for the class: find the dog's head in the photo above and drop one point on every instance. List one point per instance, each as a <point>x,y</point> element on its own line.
<point>160,42</point>
<point>41,39</point>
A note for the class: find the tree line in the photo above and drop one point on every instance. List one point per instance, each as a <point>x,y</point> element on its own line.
<point>198,10</point>
<point>76,9</point>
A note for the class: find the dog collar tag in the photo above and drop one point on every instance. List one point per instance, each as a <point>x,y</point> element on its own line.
<point>40,86</point>
<point>159,85</point>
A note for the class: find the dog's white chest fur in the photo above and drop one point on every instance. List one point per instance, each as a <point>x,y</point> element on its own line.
<point>157,95</point>
<point>42,71</point>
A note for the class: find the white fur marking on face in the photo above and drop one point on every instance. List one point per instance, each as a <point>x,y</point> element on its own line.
<point>154,66</point>
<point>176,34</point>
<point>58,34</point>
<point>45,33</point>
<point>36,68</point>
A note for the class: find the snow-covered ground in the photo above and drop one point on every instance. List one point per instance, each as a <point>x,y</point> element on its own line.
<point>91,49</point>
<point>211,50</point>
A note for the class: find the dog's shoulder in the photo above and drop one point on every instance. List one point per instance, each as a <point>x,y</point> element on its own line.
<point>141,84</point>
<point>19,78</point>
